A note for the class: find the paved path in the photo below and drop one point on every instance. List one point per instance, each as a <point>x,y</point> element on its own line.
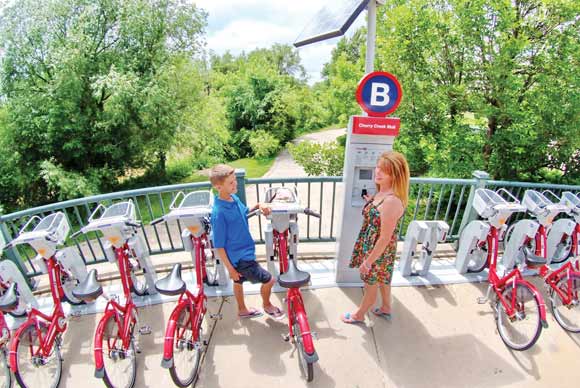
<point>285,166</point>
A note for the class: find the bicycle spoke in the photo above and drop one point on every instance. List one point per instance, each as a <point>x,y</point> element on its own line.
<point>521,330</point>
<point>120,364</point>
<point>34,368</point>
<point>186,352</point>
<point>567,315</point>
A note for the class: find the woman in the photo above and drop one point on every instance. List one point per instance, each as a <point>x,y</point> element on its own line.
<point>375,249</point>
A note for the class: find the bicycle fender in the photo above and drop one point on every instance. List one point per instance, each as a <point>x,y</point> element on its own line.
<point>167,361</point>
<point>311,358</point>
<point>98,343</point>
<point>306,335</point>
<point>540,301</point>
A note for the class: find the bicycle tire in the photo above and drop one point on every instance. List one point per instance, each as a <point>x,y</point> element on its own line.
<point>184,349</point>
<point>569,316</point>
<point>479,262</point>
<point>306,367</point>
<point>6,379</point>
<point>68,284</point>
<point>525,317</point>
<point>565,253</point>
<point>114,355</point>
<point>27,339</point>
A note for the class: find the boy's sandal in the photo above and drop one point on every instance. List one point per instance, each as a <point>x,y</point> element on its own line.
<point>380,313</point>
<point>252,313</point>
<point>348,318</point>
<point>276,313</point>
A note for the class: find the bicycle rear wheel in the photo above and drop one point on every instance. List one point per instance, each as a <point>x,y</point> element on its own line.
<point>5,375</point>
<point>186,352</point>
<point>522,330</point>
<point>478,259</point>
<point>563,250</point>
<point>120,364</point>
<point>306,367</point>
<point>567,316</point>
<point>32,368</point>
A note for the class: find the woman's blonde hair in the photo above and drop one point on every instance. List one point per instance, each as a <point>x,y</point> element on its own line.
<point>395,164</point>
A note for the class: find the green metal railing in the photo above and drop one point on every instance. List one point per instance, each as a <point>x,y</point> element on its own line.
<point>429,199</point>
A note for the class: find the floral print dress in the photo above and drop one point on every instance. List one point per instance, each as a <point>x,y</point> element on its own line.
<point>382,269</point>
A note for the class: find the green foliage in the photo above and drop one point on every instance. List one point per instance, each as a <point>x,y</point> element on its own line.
<point>93,89</point>
<point>264,144</point>
<point>255,168</point>
<point>65,184</point>
<point>318,159</point>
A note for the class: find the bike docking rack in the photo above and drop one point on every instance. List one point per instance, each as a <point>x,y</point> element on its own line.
<point>428,234</point>
<point>480,238</point>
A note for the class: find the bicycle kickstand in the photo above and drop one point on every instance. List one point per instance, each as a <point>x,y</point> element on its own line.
<point>484,299</point>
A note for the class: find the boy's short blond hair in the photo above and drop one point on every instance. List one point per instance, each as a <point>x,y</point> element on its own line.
<point>219,173</point>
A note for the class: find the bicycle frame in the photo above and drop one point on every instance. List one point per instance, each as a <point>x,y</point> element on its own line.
<point>296,311</point>
<point>120,312</point>
<point>56,321</point>
<point>498,284</point>
<point>196,303</point>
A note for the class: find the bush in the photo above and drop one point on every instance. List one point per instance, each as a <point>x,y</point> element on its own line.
<point>319,159</point>
<point>264,144</point>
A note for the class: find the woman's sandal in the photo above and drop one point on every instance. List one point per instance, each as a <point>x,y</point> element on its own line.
<point>347,318</point>
<point>380,313</point>
<point>252,313</point>
<point>276,313</point>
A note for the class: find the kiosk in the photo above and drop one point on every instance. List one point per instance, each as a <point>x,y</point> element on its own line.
<point>379,94</point>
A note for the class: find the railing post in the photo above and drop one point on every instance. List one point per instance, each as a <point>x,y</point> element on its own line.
<point>12,254</point>
<point>241,178</point>
<point>481,178</point>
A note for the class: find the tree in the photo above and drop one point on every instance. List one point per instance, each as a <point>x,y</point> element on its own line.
<point>88,86</point>
<point>512,64</point>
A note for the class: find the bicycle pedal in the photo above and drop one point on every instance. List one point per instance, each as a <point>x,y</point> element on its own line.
<point>482,300</point>
<point>74,314</point>
<point>286,337</point>
<point>145,330</point>
<point>216,316</point>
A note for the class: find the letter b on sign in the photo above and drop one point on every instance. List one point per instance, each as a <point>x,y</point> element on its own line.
<point>380,94</point>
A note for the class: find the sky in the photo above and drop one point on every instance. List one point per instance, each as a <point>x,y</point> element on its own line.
<point>244,25</point>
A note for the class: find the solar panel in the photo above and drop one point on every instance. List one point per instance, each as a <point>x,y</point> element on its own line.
<point>331,21</point>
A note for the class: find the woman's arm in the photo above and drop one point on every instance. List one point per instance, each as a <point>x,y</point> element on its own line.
<point>390,212</point>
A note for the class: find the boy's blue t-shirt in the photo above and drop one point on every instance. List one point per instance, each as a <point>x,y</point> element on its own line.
<point>231,230</point>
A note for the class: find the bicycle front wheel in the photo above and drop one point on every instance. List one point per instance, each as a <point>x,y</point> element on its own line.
<point>567,316</point>
<point>186,352</point>
<point>33,369</point>
<point>306,367</point>
<point>120,364</point>
<point>523,329</point>
<point>5,375</point>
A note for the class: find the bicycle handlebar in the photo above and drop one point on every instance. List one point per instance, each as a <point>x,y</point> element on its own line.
<point>310,212</point>
<point>252,213</point>
<point>133,224</point>
<point>157,221</point>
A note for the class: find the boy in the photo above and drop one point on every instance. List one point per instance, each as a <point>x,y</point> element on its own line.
<point>234,243</point>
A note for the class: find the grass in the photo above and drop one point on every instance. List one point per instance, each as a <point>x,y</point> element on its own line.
<point>255,168</point>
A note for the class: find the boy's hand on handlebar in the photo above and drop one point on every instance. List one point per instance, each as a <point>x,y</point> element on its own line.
<point>265,209</point>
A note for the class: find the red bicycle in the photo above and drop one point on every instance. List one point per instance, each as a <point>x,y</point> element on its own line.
<point>114,342</point>
<point>6,305</point>
<point>184,340</point>
<point>519,307</point>
<point>563,284</point>
<point>35,355</point>
<point>284,240</point>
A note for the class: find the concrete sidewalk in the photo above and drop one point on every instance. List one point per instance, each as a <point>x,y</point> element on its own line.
<point>439,337</point>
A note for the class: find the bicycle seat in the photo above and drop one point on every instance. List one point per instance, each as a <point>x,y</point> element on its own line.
<point>293,278</point>
<point>532,260</point>
<point>172,283</point>
<point>9,300</point>
<point>89,289</point>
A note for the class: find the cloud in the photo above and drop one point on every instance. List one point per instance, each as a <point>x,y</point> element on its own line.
<point>244,25</point>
